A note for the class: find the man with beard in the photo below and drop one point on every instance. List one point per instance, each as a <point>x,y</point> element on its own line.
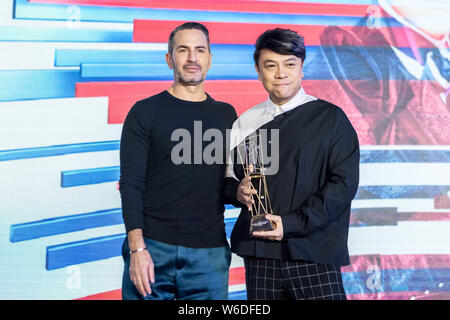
<point>176,246</point>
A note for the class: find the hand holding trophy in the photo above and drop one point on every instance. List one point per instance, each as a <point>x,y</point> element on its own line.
<point>251,156</point>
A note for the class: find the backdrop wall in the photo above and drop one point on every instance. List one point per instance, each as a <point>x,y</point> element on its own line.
<point>71,69</point>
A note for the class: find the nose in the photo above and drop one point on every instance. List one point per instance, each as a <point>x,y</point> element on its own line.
<point>281,73</point>
<point>192,57</point>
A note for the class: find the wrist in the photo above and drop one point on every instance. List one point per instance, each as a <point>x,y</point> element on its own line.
<point>137,250</point>
<point>135,239</point>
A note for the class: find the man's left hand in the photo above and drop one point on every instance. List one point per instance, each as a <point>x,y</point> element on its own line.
<point>275,234</point>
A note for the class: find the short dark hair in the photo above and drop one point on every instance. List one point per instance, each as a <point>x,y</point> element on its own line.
<point>281,41</point>
<point>188,26</point>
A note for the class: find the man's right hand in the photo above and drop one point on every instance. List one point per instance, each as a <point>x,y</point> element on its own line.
<point>245,193</point>
<point>141,264</point>
<point>142,271</point>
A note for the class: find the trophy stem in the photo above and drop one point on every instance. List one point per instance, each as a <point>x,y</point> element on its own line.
<point>266,196</point>
<point>260,201</point>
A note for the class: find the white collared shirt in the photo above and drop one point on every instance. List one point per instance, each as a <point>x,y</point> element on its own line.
<point>259,115</point>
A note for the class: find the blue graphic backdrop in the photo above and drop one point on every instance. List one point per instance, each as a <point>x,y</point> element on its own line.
<point>70,70</point>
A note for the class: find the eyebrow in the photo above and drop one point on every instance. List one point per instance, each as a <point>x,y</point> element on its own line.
<point>187,47</point>
<point>290,59</point>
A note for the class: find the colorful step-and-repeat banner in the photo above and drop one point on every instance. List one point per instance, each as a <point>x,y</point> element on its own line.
<point>71,69</point>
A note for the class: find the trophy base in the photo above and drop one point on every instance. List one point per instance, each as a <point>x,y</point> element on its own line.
<point>260,223</point>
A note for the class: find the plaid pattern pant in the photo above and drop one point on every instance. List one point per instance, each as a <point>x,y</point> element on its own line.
<point>270,279</point>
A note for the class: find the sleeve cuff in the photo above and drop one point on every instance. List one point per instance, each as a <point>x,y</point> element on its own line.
<point>291,223</point>
<point>133,220</point>
<point>231,187</point>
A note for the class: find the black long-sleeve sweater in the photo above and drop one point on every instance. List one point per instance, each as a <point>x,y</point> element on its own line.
<point>172,202</point>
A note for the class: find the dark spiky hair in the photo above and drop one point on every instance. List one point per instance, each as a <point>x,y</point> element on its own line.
<point>281,41</point>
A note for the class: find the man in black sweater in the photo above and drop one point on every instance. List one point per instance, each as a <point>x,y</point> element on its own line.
<point>172,182</point>
<point>311,188</point>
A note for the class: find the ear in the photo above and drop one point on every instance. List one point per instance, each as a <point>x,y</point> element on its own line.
<point>169,60</point>
<point>301,70</point>
<point>258,72</point>
<point>210,61</point>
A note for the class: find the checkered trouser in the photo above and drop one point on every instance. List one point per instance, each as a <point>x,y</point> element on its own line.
<point>269,279</point>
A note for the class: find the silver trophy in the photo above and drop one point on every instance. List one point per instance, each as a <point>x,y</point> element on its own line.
<point>251,156</point>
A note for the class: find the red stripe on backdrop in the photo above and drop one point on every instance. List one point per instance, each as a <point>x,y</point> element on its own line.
<point>427,216</point>
<point>384,262</point>
<point>404,295</point>
<point>412,295</point>
<point>229,5</point>
<point>122,95</point>
<point>247,33</point>
<point>237,276</point>
<point>242,94</point>
<point>442,202</point>
<point>404,261</point>
<point>108,295</point>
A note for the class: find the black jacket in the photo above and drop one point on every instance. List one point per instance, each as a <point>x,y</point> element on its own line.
<point>317,180</point>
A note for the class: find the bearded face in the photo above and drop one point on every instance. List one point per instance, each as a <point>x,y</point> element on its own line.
<point>190,58</point>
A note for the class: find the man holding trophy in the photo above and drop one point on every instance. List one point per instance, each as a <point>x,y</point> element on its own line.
<point>297,160</point>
